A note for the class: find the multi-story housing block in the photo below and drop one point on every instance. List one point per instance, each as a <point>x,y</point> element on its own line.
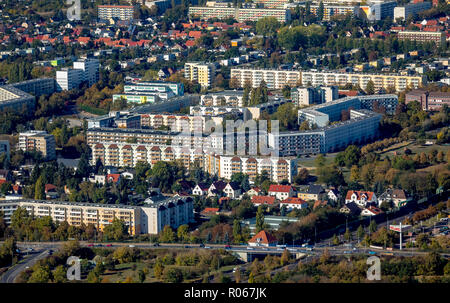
<point>38,141</point>
<point>121,12</point>
<point>422,36</point>
<point>201,72</point>
<point>274,79</point>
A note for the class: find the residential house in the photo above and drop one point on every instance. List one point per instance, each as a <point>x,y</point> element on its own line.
<point>371,211</point>
<point>51,191</point>
<point>232,190</point>
<point>200,189</point>
<point>361,198</point>
<point>281,192</point>
<point>254,191</point>
<point>333,195</point>
<point>263,239</point>
<point>293,202</point>
<point>216,189</point>
<point>186,187</point>
<point>350,208</point>
<point>113,178</point>
<point>312,192</point>
<point>263,200</point>
<point>397,196</point>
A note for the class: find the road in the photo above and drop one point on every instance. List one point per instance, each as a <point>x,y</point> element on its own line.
<point>10,275</point>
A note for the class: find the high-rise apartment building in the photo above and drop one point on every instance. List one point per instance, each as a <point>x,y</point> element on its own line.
<point>38,141</point>
<point>403,12</point>
<point>201,72</point>
<point>84,70</point>
<point>121,12</point>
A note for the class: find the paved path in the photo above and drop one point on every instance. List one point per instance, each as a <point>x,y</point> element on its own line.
<point>11,275</point>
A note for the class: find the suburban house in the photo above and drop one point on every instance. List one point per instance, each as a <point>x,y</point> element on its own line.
<point>351,208</point>
<point>281,192</point>
<point>312,192</point>
<point>293,202</point>
<point>200,189</point>
<point>371,211</point>
<point>113,178</point>
<point>254,191</point>
<point>263,239</point>
<point>216,189</point>
<point>186,187</point>
<point>361,198</point>
<point>232,190</point>
<point>260,200</point>
<point>51,191</point>
<point>333,194</point>
<point>397,196</point>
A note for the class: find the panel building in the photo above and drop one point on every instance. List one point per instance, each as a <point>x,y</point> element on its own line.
<point>148,219</point>
<point>201,72</point>
<point>121,12</point>
<point>84,70</point>
<point>413,8</point>
<point>274,79</point>
<point>421,36</point>
<point>15,99</point>
<point>38,141</point>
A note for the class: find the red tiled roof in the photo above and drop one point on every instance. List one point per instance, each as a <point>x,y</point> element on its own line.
<point>210,210</point>
<point>49,187</point>
<point>293,200</point>
<point>114,177</point>
<point>358,193</point>
<point>264,238</point>
<point>280,188</point>
<point>263,200</point>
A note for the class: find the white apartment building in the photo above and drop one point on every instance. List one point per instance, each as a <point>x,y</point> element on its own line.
<point>201,72</point>
<point>148,219</point>
<point>83,70</point>
<point>121,12</point>
<point>274,79</point>
<point>90,68</point>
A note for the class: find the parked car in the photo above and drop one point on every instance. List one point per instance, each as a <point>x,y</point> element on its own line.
<point>227,246</point>
<point>90,245</point>
<point>108,245</point>
<point>132,246</point>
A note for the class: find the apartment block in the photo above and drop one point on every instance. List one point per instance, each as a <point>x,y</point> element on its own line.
<point>14,99</point>
<point>83,70</point>
<point>379,10</point>
<point>420,36</point>
<point>274,79</point>
<point>148,219</point>
<point>303,96</point>
<point>381,81</point>
<point>37,87</point>
<point>121,12</point>
<point>170,88</point>
<point>178,122</point>
<point>38,141</point>
<point>240,14</point>
<point>403,12</point>
<point>228,97</point>
<point>201,72</point>
<point>278,169</point>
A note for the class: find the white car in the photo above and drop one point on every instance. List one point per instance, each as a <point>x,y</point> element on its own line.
<point>131,246</point>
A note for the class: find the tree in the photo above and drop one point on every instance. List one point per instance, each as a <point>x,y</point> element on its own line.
<point>182,233</point>
<point>320,160</point>
<point>373,226</point>
<point>320,11</point>
<point>335,240</point>
<point>141,275</point>
<point>370,87</point>
<point>41,274</point>
<point>360,232</point>
<point>237,231</point>
<point>59,274</point>
<point>348,235</point>
<point>173,275</point>
<point>267,26</point>
<point>117,230</point>
<point>285,256</point>
<point>167,235</point>
<point>259,224</point>
<point>39,189</point>
<point>158,270</point>
<point>302,176</point>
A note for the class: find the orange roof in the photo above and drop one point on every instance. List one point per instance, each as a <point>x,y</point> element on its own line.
<point>263,199</point>
<point>114,177</point>
<point>293,200</point>
<point>359,194</point>
<point>263,237</point>
<point>280,188</point>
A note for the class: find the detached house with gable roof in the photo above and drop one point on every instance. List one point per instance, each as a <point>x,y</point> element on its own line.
<point>293,202</point>
<point>263,239</point>
<point>281,192</point>
<point>200,189</point>
<point>232,190</point>
<point>361,198</point>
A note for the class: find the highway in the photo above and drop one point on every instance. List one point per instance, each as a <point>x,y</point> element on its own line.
<point>10,275</point>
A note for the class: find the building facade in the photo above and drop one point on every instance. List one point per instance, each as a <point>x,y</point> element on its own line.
<point>201,72</point>
<point>403,12</point>
<point>274,79</point>
<point>421,36</point>
<point>121,12</point>
<point>38,141</point>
